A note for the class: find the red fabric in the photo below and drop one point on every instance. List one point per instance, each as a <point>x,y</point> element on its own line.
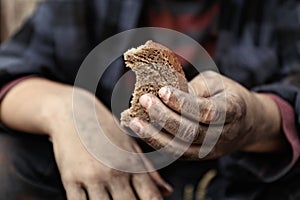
<point>188,23</point>
<point>8,86</point>
<point>184,22</point>
<point>288,125</point>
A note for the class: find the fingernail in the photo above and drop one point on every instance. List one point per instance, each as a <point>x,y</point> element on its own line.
<point>164,93</point>
<point>167,189</point>
<point>135,125</point>
<point>145,101</point>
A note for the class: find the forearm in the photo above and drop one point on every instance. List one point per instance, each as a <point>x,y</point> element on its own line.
<point>36,105</point>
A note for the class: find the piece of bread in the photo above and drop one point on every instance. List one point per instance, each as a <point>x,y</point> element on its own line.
<point>155,66</point>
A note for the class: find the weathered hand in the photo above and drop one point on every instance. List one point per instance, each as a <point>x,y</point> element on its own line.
<point>50,112</point>
<point>83,176</point>
<point>86,178</point>
<point>245,120</point>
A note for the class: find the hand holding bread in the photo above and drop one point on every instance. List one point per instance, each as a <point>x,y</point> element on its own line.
<point>237,112</point>
<point>155,66</point>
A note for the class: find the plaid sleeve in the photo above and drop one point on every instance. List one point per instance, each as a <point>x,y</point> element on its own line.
<point>288,127</point>
<point>11,84</point>
<point>30,50</point>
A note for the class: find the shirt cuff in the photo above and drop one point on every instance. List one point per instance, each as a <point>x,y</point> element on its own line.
<point>269,167</point>
<point>288,126</point>
<point>4,90</point>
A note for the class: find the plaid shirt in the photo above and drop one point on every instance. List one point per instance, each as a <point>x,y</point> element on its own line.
<point>258,45</point>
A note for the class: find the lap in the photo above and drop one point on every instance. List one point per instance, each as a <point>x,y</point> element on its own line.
<point>28,169</point>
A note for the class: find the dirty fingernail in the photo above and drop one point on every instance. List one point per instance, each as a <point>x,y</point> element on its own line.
<point>164,93</point>
<point>135,125</point>
<point>145,101</point>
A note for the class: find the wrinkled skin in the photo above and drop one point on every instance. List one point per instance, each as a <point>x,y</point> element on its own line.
<point>49,112</point>
<point>248,121</point>
<point>83,176</point>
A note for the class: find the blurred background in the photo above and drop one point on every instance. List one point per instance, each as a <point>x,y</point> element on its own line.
<point>12,14</point>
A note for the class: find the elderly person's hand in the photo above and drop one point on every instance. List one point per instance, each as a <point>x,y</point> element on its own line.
<point>238,118</point>
<point>51,111</point>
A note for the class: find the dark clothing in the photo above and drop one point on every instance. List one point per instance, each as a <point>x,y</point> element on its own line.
<point>258,45</point>
<point>28,169</point>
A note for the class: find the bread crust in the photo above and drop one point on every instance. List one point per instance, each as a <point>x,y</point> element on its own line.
<point>155,66</point>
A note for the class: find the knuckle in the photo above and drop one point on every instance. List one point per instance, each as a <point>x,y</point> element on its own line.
<point>172,90</point>
<point>68,178</point>
<point>172,125</point>
<point>209,113</point>
<point>188,105</point>
<point>236,107</point>
<point>92,177</point>
<point>115,174</point>
<point>188,131</point>
<point>176,98</point>
<point>209,73</point>
<point>148,131</point>
<point>194,88</point>
<point>173,150</point>
<point>182,102</point>
<point>240,109</point>
<point>154,143</point>
<point>230,136</point>
<point>158,113</point>
<point>91,173</point>
<point>210,77</point>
